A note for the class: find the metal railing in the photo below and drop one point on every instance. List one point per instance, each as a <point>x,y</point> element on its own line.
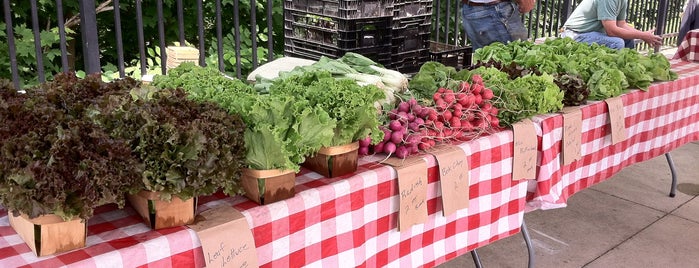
<point>228,33</point>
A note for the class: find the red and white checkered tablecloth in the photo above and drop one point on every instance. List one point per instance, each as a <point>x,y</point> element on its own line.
<point>657,121</point>
<point>342,222</point>
<point>688,50</point>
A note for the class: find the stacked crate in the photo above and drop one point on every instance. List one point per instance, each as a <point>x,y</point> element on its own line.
<point>411,34</point>
<point>315,28</point>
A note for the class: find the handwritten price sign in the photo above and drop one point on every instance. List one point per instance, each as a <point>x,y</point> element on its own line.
<point>572,135</point>
<point>453,178</point>
<point>524,157</point>
<point>616,119</point>
<point>412,187</point>
<point>225,238</point>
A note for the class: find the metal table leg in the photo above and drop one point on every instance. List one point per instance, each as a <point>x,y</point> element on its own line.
<point>673,187</point>
<point>476,259</point>
<point>530,247</point>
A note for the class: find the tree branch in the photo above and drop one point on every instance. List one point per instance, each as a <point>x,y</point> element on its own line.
<point>75,19</point>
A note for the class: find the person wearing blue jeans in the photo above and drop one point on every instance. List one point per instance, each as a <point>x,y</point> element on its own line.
<point>604,22</point>
<point>489,21</point>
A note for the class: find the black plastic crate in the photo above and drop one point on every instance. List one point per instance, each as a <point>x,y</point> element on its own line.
<point>411,8</point>
<point>344,9</point>
<point>410,36</point>
<point>313,51</point>
<point>450,55</point>
<point>409,62</point>
<point>339,33</point>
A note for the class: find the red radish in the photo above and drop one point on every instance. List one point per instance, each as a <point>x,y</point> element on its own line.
<point>412,102</point>
<point>411,117</point>
<point>413,126</point>
<point>457,113</point>
<point>476,79</point>
<point>423,146</point>
<point>455,122</point>
<point>363,151</point>
<point>404,107</point>
<point>419,121</point>
<point>449,98</point>
<point>494,110</point>
<point>486,106</point>
<point>464,86</point>
<point>495,122</point>
<point>436,96</point>
<point>395,125</point>
<point>438,125</point>
<point>389,148</point>
<point>476,89</point>
<point>479,99</point>
<point>378,148</point>
<point>365,142</point>
<point>402,116</point>
<point>414,148</point>
<point>447,115</point>
<point>402,152</point>
<point>397,136</point>
<point>433,115</point>
<point>487,94</point>
<point>386,135</point>
<point>441,90</point>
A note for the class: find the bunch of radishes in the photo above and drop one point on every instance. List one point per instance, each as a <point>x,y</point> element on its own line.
<point>457,115</point>
<point>462,114</point>
<point>403,133</point>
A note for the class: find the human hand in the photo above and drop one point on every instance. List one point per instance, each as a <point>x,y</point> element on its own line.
<point>652,39</point>
<point>525,5</point>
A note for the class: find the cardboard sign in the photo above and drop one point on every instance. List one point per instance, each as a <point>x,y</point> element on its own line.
<point>617,125</point>
<point>453,178</point>
<point>412,192</point>
<point>572,135</point>
<point>524,157</point>
<point>226,238</point>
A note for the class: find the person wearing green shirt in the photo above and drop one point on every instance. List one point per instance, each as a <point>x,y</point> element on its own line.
<point>604,22</point>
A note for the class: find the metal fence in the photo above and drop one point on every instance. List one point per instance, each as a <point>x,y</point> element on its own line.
<point>129,37</point>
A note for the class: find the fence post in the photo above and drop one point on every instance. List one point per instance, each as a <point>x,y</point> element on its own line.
<point>88,27</point>
<point>660,23</point>
<point>567,6</point>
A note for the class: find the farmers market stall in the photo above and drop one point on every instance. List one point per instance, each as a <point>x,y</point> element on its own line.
<point>657,122</point>
<point>346,221</point>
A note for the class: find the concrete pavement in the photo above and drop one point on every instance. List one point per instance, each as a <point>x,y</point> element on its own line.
<point>625,221</point>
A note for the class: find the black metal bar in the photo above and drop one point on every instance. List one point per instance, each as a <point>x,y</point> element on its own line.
<point>219,35</point>
<point>37,41</point>
<point>673,185</point>
<point>662,16</point>
<point>200,23</point>
<point>236,31</point>
<point>141,40</point>
<point>270,31</point>
<point>11,44</point>
<point>566,9</point>
<point>88,26</point>
<point>180,21</point>
<point>528,242</point>
<point>62,35</point>
<point>253,35</point>
<point>446,21</point>
<point>438,10</point>
<point>476,259</point>
<point>161,37</point>
<point>119,39</point>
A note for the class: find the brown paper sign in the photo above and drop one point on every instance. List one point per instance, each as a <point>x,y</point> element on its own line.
<point>572,136</point>
<point>524,157</point>
<point>226,238</point>
<point>412,192</point>
<point>616,119</point>
<point>453,177</point>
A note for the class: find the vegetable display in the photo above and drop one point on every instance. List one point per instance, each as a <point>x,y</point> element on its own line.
<point>280,130</point>
<point>346,102</point>
<point>188,148</point>
<point>606,72</point>
<point>53,158</point>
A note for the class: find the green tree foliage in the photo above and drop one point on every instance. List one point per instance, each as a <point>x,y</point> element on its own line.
<point>24,40</point>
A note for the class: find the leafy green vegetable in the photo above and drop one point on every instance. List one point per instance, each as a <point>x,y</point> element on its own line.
<point>188,148</point>
<point>349,104</point>
<point>53,159</point>
<point>432,76</point>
